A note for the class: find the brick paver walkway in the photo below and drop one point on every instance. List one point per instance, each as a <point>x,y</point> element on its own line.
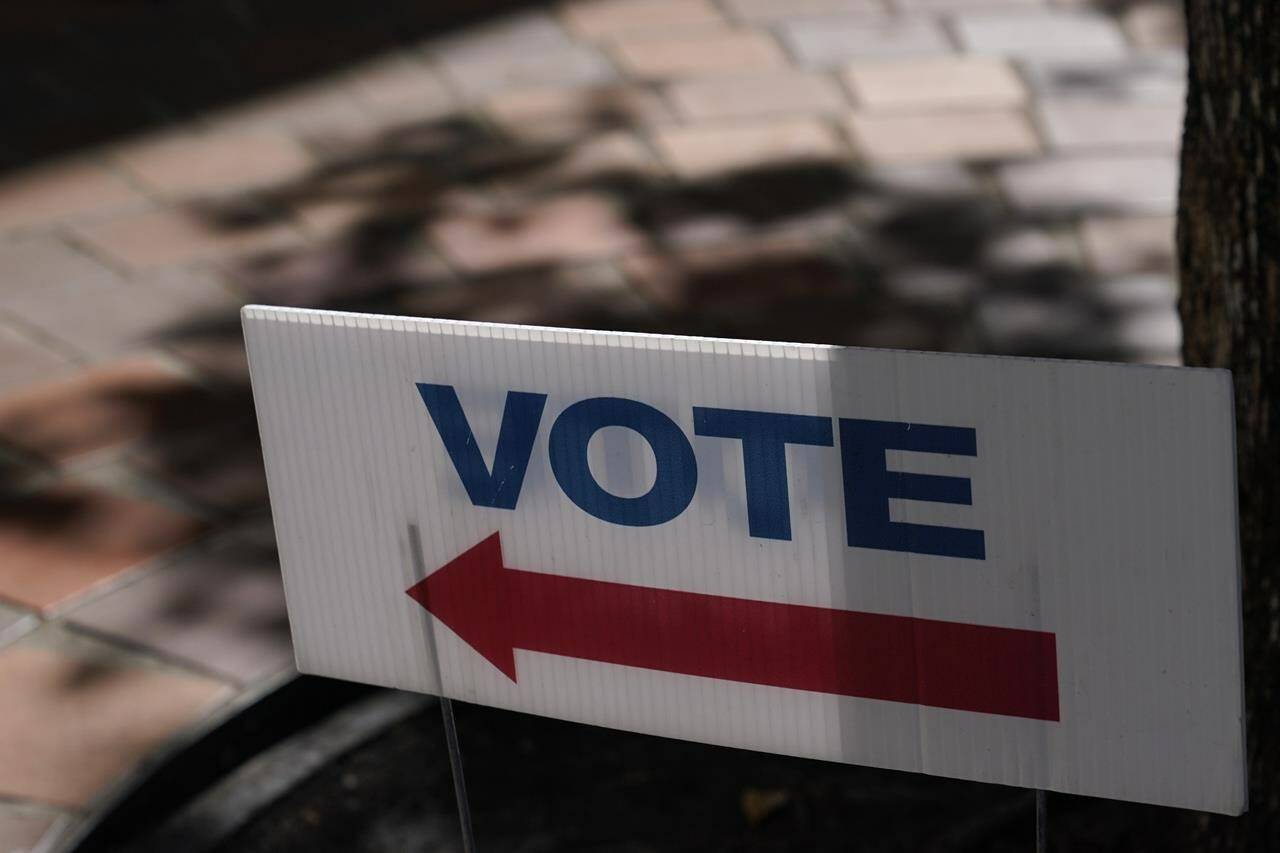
<point>986,175</point>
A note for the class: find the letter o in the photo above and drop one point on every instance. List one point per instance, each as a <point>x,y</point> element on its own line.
<point>677,477</point>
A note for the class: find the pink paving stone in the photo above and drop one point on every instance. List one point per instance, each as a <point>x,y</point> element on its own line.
<point>713,51</point>
<point>768,11</point>
<point>173,236</point>
<point>558,112</point>
<point>311,110</point>
<point>561,230</point>
<point>706,150</point>
<point>185,164</point>
<point>1079,125</point>
<point>596,156</point>
<point>59,543</point>
<point>923,137</point>
<point>62,192</point>
<point>960,82</point>
<point>756,95</point>
<point>401,87</point>
<point>598,19</point>
<point>221,610</point>
<point>737,276</point>
<point>68,726</point>
<point>102,407</point>
<point>828,41</point>
<point>102,319</point>
<point>1155,25</point>
<point>24,361</point>
<point>1130,244</point>
<point>33,264</point>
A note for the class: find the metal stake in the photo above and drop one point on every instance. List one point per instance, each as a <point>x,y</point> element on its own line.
<point>459,781</point>
<point>1042,822</point>
<point>446,710</point>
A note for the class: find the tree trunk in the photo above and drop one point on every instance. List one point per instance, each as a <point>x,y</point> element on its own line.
<point>1229,252</point>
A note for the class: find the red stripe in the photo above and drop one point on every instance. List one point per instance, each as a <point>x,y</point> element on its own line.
<point>896,658</point>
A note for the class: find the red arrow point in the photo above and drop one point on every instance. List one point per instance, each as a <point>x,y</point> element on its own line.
<point>471,595</point>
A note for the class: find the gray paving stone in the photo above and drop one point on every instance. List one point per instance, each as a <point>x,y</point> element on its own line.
<point>772,10</point>
<point>828,41</point>
<point>1140,183</point>
<point>1077,125</point>
<point>23,827</point>
<point>33,264</point>
<point>1042,35</point>
<point>14,623</point>
<point>529,50</point>
<point>221,609</point>
<point>24,361</point>
<point>1160,78</point>
<point>1137,292</point>
<point>104,318</point>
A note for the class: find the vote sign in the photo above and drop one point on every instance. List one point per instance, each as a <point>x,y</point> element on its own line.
<point>1009,570</point>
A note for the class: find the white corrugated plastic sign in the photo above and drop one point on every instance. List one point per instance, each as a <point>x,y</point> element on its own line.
<point>1009,570</point>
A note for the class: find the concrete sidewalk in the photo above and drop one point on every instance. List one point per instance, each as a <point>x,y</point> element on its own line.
<point>979,175</point>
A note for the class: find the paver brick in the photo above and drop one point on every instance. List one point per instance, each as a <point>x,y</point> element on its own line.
<point>62,192</point>
<point>1042,34</point>
<point>600,19</point>
<point>1152,78</point>
<point>222,610</point>
<point>401,87</point>
<point>829,41</point>
<point>106,318</point>
<point>68,726</point>
<point>1118,245</point>
<point>1077,125</point>
<point>1119,183</point>
<point>962,82</point>
<point>178,165</point>
<point>756,95</point>
<point>13,624</point>
<point>58,544</point>
<point>32,264</point>
<point>561,230</point>
<point>22,828</point>
<point>24,361</point>
<point>922,137</point>
<point>558,112</point>
<point>220,468</point>
<point>174,236</point>
<point>1155,25</point>
<point>947,6</point>
<point>715,51</point>
<point>310,111</point>
<point>768,11</point>
<point>706,150</point>
<point>526,51</point>
<point>102,407</point>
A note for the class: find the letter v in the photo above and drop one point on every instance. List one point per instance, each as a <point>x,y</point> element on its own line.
<point>499,488</point>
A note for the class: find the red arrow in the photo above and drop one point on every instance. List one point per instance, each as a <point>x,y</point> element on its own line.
<point>497,610</point>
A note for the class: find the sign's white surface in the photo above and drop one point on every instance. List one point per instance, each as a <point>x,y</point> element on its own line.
<point>1009,570</point>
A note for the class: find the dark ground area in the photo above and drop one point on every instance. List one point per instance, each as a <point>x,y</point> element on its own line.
<point>543,785</point>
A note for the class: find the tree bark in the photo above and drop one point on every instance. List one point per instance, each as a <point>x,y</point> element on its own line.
<point>1229,253</point>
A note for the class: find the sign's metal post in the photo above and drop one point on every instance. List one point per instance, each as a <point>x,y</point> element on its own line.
<point>1042,822</point>
<point>446,711</point>
<point>459,780</point>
